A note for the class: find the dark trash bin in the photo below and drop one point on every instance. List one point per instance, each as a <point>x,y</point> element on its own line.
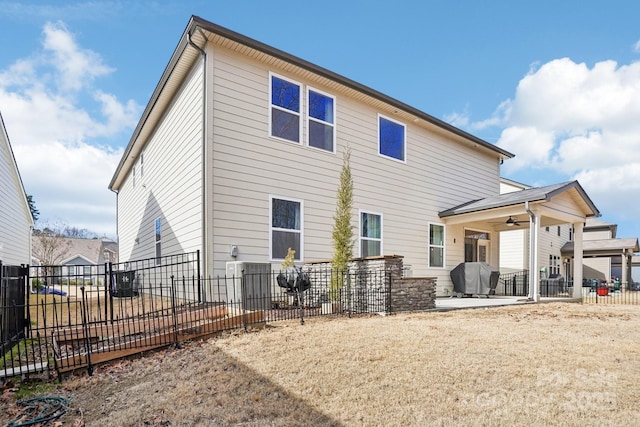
<point>552,286</point>
<point>125,284</point>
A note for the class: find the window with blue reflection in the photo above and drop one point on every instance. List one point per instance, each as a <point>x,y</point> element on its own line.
<point>391,139</point>
<point>285,109</point>
<point>321,128</point>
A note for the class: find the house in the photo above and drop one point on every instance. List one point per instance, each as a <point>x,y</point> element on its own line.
<point>605,255</point>
<point>16,221</point>
<point>238,155</point>
<point>74,259</point>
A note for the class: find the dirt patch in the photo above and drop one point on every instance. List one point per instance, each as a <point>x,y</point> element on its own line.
<point>551,364</point>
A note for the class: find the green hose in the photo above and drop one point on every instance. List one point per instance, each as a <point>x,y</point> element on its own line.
<point>40,410</point>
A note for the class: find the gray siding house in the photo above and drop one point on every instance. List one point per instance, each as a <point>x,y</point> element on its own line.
<point>238,155</point>
<point>16,221</point>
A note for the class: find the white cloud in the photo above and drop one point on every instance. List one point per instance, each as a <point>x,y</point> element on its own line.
<point>75,67</point>
<point>54,135</point>
<point>636,46</point>
<point>571,121</point>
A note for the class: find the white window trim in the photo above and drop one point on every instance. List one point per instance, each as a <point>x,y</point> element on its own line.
<point>444,245</point>
<point>404,142</point>
<point>360,238</point>
<point>299,113</point>
<point>271,228</point>
<point>309,118</point>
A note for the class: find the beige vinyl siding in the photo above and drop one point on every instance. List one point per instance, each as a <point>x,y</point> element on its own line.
<point>15,217</point>
<point>248,166</point>
<point>514,250</point>
<point>172,180</point>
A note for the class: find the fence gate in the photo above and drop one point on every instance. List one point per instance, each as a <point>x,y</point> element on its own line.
<point>13,316</point>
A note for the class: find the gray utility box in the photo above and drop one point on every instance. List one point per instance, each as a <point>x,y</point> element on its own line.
<point>475,278</point>
<point>248,285</point>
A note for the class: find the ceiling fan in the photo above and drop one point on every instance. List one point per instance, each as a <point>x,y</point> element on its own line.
<point>511,222</point>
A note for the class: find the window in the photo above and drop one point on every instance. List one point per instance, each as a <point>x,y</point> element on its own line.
<point>141,165</point>
<point>370,234</point>
<point>436,245</point>
<point>285,109</point>
<point>133,174</point>
<point>321,120</point>
<point>158,240</point>
<point>391,138</point>
<point>558,230</point>
<point>286,228</point>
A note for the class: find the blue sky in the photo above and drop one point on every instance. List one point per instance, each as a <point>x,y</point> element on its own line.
<point>556,83</point>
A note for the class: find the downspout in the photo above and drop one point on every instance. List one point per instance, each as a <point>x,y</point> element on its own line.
<point>534,274</point>
<point>203,214</point>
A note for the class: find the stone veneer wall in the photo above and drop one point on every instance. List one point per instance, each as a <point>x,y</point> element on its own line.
<point>368,290</point>
<point>413,294</point>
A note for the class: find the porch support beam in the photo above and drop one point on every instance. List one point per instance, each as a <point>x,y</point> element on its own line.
<point>534,269</point>
<point>577,259</point>
<point>624,280</point>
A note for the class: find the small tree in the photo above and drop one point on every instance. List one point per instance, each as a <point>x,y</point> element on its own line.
<point>289,259</point>
<point>49,247</point>
<point>342,234</point>
<point>35,213</point>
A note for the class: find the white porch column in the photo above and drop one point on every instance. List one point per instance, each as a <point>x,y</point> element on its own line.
<point>624,280</point>
<point>534,269</point>
<point>577,259</point>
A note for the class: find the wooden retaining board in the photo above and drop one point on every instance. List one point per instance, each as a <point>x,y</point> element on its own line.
<point>206,328</point>
<point>123,327</point>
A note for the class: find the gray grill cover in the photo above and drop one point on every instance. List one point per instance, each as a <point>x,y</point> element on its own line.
<point>475,278</point>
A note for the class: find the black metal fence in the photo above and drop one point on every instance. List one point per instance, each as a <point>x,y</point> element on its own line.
<point>76,319</point>
<point>514,284</point>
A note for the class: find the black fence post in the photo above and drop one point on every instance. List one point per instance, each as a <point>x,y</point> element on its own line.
<point>109,285</point>
<point>198,276</point>
<point>85,327</point>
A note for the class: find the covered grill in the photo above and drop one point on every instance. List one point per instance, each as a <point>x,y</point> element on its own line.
<point>474,278</point>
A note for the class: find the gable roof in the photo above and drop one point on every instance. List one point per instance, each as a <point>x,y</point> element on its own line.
<point>603,247</point>
<point>536,194</point>
<point>200,30</point>
<point>89,249</point>
<point>13,169</point>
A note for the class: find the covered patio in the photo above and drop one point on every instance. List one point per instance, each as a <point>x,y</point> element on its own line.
<point>532,209</point>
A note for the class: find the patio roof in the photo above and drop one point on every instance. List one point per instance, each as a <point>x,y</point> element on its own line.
<point>603,247</point>
<point>538,194</point>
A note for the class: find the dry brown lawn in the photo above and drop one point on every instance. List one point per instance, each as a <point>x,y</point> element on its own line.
<point>547,364</point>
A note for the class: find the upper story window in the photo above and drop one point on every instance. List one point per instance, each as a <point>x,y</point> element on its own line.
<point>141,165</point>
<point>133,175</point>
<point>286,227</point>
<point>321,120</point>
<point>370,234</point>
<point>391,138</point>
<point>285,109</point>
<point>436,245</point>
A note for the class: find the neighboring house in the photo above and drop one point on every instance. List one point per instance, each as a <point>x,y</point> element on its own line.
<point>16,221</point>
<point>605,255</point>
<point>238,154</point>
<point>79,259</point>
